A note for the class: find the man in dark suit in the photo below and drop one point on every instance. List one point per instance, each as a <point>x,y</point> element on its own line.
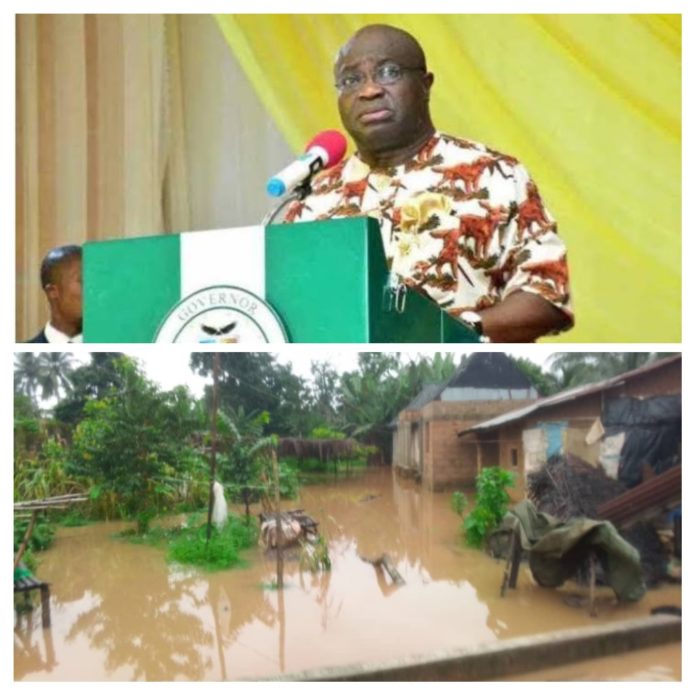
<point>61,279</point>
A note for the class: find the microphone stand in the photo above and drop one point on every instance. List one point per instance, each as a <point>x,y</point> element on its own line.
<point>299,193</point>
<point>394,293</point>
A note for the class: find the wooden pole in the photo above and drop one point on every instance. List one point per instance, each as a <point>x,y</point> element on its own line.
<point>213,442</point>
<point>281,627</point>
<point>279,527</point>
<point>516,558</point>
<point>25,541</point>
<point>512,564</point>
<point>45,606</point>
<point>593,580</point>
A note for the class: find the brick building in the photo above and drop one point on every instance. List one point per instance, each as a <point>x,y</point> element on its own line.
<point>570,422</point>
<point>426,445</point>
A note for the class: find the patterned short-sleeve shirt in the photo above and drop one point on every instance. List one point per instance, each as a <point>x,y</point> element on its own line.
<point>460,222</point>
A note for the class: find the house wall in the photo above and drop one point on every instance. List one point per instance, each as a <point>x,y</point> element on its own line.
<point>579,415</point>
<point>511,440</point>
<point>575,444</point>
<point>406,444</point>
<point>448,460</point>
<point>490,454</point>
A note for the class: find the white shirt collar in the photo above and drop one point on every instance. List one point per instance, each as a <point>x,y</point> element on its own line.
<point>55,336</point>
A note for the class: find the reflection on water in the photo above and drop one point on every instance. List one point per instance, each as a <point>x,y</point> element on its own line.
<point>119,611</point>
<point>652,664</point>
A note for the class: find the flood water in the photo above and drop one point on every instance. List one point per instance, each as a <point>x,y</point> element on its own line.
<point>120,612</point>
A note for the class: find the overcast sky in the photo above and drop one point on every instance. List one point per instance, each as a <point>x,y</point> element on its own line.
<point>171,367</point>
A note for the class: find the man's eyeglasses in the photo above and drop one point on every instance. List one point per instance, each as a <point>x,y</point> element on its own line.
<point>385,74</point>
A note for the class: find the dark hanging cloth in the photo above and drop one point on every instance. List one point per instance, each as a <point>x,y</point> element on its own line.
<point>653,434</point>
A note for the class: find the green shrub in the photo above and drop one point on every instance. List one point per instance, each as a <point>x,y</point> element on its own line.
<point>30,561</point>
<point>289,481</point>
<point>189,546</point>
<point>458,503</point>
<point>73,518</point>
<point>41,535</point>
<point>491,504</point>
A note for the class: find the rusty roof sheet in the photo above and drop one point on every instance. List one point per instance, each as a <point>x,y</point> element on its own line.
<point>568,395</point>
<point>643,500</point>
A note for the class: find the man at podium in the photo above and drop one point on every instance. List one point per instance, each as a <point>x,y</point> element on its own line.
<point>461,223</point>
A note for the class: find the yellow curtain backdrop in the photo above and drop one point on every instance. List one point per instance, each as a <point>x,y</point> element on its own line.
<point>590,103</point>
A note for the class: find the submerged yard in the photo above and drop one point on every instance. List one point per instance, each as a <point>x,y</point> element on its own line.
<point>120,611</point>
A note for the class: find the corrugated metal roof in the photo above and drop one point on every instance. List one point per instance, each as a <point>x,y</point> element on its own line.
<point>568,395</point>
<point>429,392</point>
<point>490,370</point>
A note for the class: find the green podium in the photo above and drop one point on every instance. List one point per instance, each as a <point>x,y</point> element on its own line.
<point>327,282</point>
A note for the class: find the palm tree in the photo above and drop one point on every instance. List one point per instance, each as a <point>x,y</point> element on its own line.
<point>424,370</point>
<point>47,373</point>
<point>324,391</point>
<point>27,374</point>
<point>573,369</point>
<point>370,396</point>
<point>55,376</point>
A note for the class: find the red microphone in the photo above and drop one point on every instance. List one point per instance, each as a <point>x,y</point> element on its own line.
<point>324,150</point>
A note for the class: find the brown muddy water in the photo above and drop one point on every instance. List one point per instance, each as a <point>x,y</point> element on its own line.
<point>120,612</point>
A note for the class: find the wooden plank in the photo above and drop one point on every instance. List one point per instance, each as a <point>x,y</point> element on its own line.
<point>28,584</point>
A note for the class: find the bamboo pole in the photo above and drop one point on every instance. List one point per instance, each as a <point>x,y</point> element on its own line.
<point>55,501</point>
<point>213,443</point>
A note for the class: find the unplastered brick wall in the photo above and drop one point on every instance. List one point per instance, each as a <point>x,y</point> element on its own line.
<point>510,439</point>
<point>449,460</point>
<point>476,411</point>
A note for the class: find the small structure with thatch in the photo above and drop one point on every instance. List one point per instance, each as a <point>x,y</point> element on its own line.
<point>322,450</point>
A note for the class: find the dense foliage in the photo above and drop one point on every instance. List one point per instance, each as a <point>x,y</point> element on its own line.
<point>134,446</point>
<point>104,429</point>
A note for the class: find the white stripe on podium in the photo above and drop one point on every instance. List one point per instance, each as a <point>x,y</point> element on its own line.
<point>234,256</point>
